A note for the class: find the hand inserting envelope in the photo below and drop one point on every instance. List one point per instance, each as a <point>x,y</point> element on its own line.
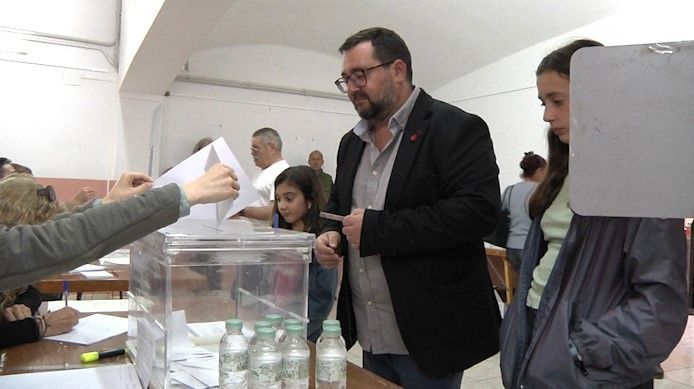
<point>193,166</point>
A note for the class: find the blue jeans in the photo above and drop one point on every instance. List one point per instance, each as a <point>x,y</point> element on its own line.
<point>402,370</point>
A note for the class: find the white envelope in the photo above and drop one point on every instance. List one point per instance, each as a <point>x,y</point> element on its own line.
<point>195,165</point>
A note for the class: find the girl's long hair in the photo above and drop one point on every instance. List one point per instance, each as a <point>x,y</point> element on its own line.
<point>557,170</point>
<point>558,156</point>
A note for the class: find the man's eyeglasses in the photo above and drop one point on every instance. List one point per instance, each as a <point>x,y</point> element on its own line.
<point>357,77</point>
<point>48,192</point>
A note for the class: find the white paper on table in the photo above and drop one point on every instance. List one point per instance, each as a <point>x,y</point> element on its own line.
<point>87,267</point>
<point>101,274</point>
<point>186,379</point>
<point>117,257</point>
<point>115,260</point>
<point>94,328</point>
<point>212,328</point>
<point>193,353</point>
<point>109,376</point>
<point>91,306</point>
<point>195,165</point>
<point>196,365</point>
<point>208,374</point>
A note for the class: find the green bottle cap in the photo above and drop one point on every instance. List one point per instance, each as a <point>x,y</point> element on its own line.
<point>267,332</point>
<point>274,319</point>
<point>295,330</point>
<point>234,323</point>
<point>292,322</point>
<point>332,331</point>
<point>335,323</point>
<point>262,324</point>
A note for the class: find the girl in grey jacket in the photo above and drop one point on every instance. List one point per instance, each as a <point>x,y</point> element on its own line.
<point>601,300</point>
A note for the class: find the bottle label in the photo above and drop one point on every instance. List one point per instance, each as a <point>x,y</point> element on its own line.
<point>231,361</point>
<point>331,370</point>
<point>295,369</point>
<point>266,373</point>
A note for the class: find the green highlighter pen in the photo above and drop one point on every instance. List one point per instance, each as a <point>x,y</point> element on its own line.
<point>95,355</point>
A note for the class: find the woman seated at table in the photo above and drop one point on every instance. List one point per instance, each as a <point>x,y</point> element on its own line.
<point>20,324</point>
<point>24,201</point>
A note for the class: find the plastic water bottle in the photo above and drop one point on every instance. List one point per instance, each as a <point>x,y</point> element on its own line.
<point>276,321</point>
<point>331,360</point>
<point>233,357</point>
<point>266,361</point>
<point>258,325</point>
<point>295,359</point>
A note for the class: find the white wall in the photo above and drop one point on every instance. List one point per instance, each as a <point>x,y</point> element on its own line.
<point>59,122</point>
<point>78,19</point>
<point>304,123</point>
<point>504,93</point>
<point>59,98</point>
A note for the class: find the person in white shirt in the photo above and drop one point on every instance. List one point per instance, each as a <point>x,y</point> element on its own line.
<point>266,149</point>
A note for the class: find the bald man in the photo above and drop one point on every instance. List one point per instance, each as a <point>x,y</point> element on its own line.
<point>315,160</point>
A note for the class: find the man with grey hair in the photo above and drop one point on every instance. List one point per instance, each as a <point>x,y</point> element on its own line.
<point>266,149</point>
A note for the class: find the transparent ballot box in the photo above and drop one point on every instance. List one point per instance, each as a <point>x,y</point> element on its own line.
<point>188,278</point>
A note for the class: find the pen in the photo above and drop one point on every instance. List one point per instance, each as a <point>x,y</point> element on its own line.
<point>66,290</point>
<point>95,355</point>
<point>331,216</point>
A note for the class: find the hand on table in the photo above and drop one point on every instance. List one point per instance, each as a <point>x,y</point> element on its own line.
<point>60,321</point>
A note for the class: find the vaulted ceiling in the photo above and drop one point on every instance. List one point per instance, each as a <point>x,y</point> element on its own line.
<point>448,38</point>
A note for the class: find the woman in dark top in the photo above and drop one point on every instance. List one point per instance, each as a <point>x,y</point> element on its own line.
<point>20,323</point>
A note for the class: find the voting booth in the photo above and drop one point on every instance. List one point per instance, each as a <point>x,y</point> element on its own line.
<point>188,278</point>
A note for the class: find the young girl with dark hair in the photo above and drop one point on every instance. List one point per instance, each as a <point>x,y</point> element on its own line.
<point>601,300</point>
<point>298,202</point>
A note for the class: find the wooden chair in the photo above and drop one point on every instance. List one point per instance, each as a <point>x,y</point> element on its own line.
<point>503,276</point>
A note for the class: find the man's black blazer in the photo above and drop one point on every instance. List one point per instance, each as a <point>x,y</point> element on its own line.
<point>442,199</point>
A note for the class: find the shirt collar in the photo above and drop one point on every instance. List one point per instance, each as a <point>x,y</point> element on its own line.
<point>396,123</point>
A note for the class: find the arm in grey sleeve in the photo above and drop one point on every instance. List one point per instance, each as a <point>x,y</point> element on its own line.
<point>30,253</point>
<point>630,339</point>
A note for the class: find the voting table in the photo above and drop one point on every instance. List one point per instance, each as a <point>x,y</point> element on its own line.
<point>49,355</point>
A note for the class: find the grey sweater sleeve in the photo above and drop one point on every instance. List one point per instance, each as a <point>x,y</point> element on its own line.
<point>30,253</point>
